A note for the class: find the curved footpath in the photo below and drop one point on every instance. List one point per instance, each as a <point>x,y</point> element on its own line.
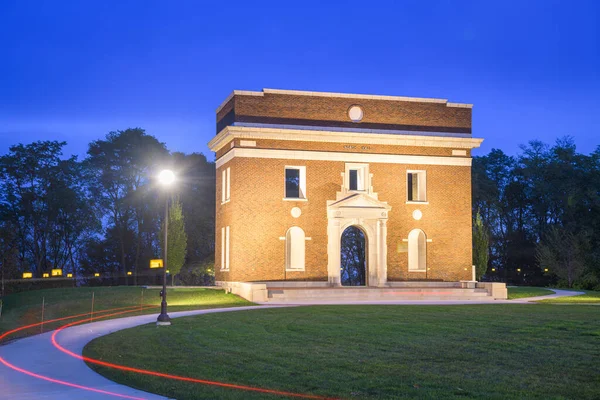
<point>37,355</point>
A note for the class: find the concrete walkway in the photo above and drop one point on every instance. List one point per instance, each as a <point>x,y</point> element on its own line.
<point>37,355</point>
<point>557,293</point>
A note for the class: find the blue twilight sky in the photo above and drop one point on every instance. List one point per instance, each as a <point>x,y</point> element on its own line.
<point>75,70</point>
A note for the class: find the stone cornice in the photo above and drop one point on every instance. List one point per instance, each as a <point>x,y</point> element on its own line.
<point>432,139</point>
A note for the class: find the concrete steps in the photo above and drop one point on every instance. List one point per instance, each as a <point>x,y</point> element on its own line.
<point>449,291</point>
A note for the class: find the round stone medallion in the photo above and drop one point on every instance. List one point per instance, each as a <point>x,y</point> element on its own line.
<point>296,212</point>
<point>417,214</point>
<point>355,113</point>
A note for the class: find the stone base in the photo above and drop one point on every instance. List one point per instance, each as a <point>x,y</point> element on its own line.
<point>291,291</point>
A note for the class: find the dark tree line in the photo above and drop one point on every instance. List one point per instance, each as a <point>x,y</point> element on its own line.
<point>542,211</point>
<point>103,213</point>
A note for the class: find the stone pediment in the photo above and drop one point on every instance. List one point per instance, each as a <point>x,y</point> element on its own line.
<point>358,201</point>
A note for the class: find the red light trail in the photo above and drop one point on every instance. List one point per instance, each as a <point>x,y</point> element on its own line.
<point>65,383</point>
<point>125,310</point>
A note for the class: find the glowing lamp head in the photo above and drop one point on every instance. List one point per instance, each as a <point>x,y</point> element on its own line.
<point>166,177</point>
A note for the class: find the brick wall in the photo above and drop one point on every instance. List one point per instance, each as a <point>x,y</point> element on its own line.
<point>258,216</point>
<point>272,108</point>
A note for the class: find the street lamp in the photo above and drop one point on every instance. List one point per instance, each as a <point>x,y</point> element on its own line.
<point>166,178</point>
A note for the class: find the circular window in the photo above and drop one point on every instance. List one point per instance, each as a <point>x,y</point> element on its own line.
<point>355,113</point>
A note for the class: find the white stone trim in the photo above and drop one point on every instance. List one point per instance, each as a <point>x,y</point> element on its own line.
<point>343,157</point>
<point>356,129</point>
<point>404,138</point>
<point>459,152</point>
<point>342,95</point>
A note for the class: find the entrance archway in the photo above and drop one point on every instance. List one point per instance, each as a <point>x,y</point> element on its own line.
<point>353,257</point>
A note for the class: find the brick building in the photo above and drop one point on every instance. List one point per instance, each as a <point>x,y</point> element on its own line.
<point>296,169</point>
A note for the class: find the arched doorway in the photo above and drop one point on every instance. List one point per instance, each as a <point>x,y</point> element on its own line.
<point>353,257</point>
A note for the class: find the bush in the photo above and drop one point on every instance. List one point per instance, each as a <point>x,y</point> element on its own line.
<point>197,274</point>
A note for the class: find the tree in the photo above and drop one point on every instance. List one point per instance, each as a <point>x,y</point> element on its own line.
<point>195,189</point>
<point>481,246</point>
<point>123,164</point>
<point>561,252</point>
<point>177,239</point>
<point>45,200</point>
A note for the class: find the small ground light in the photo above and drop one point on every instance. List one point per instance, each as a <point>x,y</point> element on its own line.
<point>69,275</point>
<point>545,269</point>
<point>518,269</point>
<point>45,275</point>
<point>493,269</point>
<point>27,275</point>
<point>96,274</point>
<point>128,272</point>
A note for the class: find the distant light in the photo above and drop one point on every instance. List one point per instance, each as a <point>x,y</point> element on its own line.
<point>96,274</point>
<point>27,275</point>
<point>168,272</point>
<point>45,275</point>
<point>56,272</point>
<point>545,269</point>
<point>493,269</point>
<point>518,269</point>
<point>129,273</point>
<point>69,275</point>
<point>166,177</point>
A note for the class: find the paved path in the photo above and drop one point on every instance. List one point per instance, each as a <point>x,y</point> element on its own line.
<point>557,293</point>
<point>36,354</point>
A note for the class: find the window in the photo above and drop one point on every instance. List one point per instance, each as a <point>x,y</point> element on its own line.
<point>294,249</point>
<point>417,251</point>
<point>225,248</point>
<point>226,185</point>
<point>357,177</point>
<point>295,182</point>
<point>416,186</point>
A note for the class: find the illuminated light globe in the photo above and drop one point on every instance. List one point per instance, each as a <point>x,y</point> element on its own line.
<point>166,177</point>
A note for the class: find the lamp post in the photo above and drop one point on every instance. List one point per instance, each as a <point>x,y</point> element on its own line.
<point>166,178</point>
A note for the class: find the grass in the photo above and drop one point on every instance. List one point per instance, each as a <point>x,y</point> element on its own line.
<point>590,297</point>
<point>26,308</point>
<point>370,352</point>
<point>520,292</point>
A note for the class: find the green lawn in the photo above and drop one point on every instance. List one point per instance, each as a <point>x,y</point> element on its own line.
<point>527,291</point>
<point>26,308</point>
<point>370,352</point>
<point>589,297</point>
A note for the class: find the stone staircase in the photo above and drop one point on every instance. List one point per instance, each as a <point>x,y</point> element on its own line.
<point>397,291</point>
<point>311,292</point>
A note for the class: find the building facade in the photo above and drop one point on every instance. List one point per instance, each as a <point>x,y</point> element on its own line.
<point>296,169</point>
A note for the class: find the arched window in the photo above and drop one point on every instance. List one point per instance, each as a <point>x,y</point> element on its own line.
<point>417,250</point>
<point>294,248</point>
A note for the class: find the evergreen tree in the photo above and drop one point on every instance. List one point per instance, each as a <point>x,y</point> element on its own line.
<point>177,239</point>
<point>481,245</point>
